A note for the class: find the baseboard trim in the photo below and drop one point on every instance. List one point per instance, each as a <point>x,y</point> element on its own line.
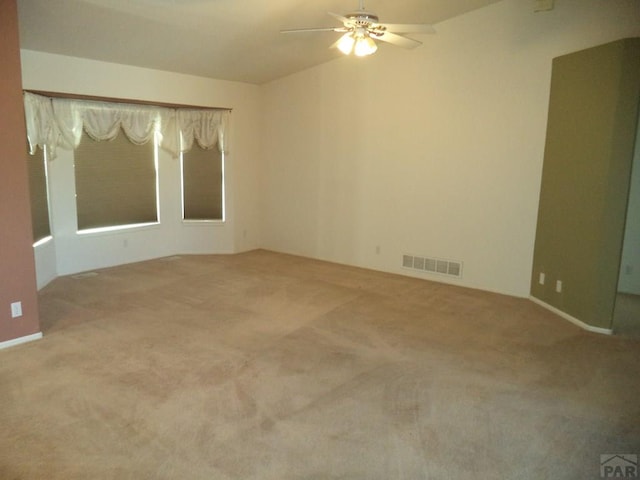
<point>574,320</point>
<point>19,340</point>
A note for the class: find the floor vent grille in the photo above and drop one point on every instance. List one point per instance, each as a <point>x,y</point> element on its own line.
<point>452,268</point>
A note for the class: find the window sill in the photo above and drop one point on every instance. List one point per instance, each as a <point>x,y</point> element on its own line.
<point>119,228</point>
<point>42,241</point>
<point>202,223</point>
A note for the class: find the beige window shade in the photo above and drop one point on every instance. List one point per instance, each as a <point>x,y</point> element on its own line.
<point>202,184</point>
<point>115,182</point>
<point>38,193</point>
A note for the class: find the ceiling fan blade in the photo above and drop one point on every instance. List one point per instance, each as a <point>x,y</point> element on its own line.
<point>335,44</point>
<point>343,19</point>
<point>397,40</point>
<point>408,28</point>
<point>320,29</point>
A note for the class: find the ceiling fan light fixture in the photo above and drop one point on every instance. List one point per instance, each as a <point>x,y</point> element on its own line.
<point>346,43</point>
<point>361,30</point>
<point>365,45</point>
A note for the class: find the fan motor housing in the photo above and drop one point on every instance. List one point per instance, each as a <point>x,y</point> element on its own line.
<point>362,17</point>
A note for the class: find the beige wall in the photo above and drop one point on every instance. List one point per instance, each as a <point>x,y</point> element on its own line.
<point>436,151</point>
<point>17,272</point>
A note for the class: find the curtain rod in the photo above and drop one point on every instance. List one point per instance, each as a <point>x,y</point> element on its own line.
<point>74,96</point>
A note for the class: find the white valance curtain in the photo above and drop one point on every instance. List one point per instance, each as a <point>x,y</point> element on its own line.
<point>59,122</point>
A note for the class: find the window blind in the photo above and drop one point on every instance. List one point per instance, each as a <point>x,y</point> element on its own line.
<point>115,182</point>
<point>202,184</point>
<point>38,193</point>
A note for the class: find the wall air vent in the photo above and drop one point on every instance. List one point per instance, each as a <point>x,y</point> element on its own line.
<point>440,266</point>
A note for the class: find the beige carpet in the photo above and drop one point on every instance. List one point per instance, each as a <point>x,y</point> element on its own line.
<point>268,366</point>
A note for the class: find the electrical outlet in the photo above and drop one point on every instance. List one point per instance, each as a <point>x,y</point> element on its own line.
<point>541,279</point>
<point>559,286</point>
<point>16,309</point>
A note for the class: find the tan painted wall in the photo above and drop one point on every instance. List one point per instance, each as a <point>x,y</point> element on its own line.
<point>17,271</point>
<point>593,111</point>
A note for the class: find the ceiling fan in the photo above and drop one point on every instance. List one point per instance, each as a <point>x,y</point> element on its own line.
<point>360,29</point>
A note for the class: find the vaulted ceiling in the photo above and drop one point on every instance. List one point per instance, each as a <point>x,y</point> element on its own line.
<point>225,39</point>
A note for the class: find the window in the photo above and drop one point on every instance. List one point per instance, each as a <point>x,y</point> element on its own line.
<point>37,168</point>
<point>116,183</point>
<point>115,147</point>
<point>202,184</point>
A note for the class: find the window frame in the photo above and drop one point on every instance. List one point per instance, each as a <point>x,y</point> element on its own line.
<point>195,221</point>
<point>47,195</point>
<point>126,226</point>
